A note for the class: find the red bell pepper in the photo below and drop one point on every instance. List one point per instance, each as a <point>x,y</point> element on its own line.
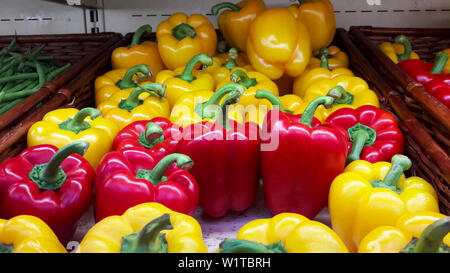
<point>373,133</point>
<point>297,174</point>
<point>157,134</point>
<point>52,184</point>
<point>226,156</point>
<point>133,176</point>
<point>423,72</point>
<point>440,88</point>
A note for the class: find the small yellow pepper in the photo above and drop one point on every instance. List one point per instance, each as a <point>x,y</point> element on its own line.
<point>317,74</point>
<point>400,50</point>
<point>145,228</point>
<point>186,79</point>
<point>366,196</point>
<point>318,17</point>
<point>120,79</point>
<point>181,37</point>
<point>138,53</point>
<point>143,103</point>
<point>234,24</point>
<point>278,44</point>
<point>336,58</point>
<point>61,127</point>
<point>223,66</point>
<point>285,232</point>
<point>447,64</point>
<point>356,93</point>
<point>424,231</point>
<point>28,234</point>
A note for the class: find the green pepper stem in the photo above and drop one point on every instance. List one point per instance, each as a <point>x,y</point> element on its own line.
<point>232,55</point>
<point>246,246</point>
<point>432,237</point>
<point>400,163</point>
<point>149,239</point>
<point>77,123</point>
<point>50,176</point>
<point>183,30</point>
<point>273,99</point>
<point>360,136</point>
<point>225,5</point>
<point>232,98</point>
<point>152,135</point>
<point>133,101</point>
<point>127,80</point>
<point>156,175</point>
<point>401,39</point>
<point>324,52</point>
<point>138,34</point>
<point>200,58</point>
<point>241,77</point>
<point>209,108</point>
<point>439,62</point>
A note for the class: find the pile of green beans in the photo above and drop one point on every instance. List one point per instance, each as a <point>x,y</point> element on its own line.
<point>21,75</point>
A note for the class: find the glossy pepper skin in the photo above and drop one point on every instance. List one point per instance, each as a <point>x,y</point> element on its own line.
<point>366,196</point>
<point>222,67</point>
<point>113,81</point>
<point>356,90</point>
<point>186,79</point>
<point>132,176</point>
<point>440,88</point>
<point>336,58</point>
<point>289,49</point>
<point>417,232</point>
<point>373,133</point>
<point>157,134</point>
<point>318,17</point>
<point>301,159</point>
<point>50,183</point>
<point>181,37</point>
<point>316,74</point>
<point>28,234</point>
<point>400,50</point>
<point>285,232</point>
<point>424,72</point>
<point>60,127</point>
<point>145,228</point>
<point>144,102</point>
<point>234,23</point>
<point>138,53</point>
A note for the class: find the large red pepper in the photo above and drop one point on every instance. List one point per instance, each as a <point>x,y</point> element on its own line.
<point>373,133</point>
<point>133,176</point>
<point>226,156</point>
<point>297,173</point>
<point>54,185</point>
<point>423,72</point>
<point>158,135</point>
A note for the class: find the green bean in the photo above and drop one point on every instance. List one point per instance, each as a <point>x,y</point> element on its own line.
<point>10,105</point>
<point>23,85</point>
<point>22,76</point>
<point>56,72</point>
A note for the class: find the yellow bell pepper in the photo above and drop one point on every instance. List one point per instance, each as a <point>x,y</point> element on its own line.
<point>145,228</point>
<point>366,196</point>
<point>278,44</point>
<point>120,79</point>
<point>234,24</point>
<point>202,105</point>
<point>241,58</point>
<point>423,231</point>
<point>318,17</point>
<point>336,57</point>
<point>186,79</point>
<point>356,93</point>
<point>223,66</point>
<point>181,37</point>
<point>61,127</point>
<point>447,64</point>
<point>400,50</point>
<point>285,232</point>
<point>317,74</point>
<point>28,234</point>
<point>138,53</point>
<point>143,103</point>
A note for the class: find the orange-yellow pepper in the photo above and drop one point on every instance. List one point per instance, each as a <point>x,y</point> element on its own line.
<point>447,64</point>
<point>400,50</point>
<point>138,53</point>
<point>28,234</point>
<point>181,37</point>
<point>278,44</point>
<point>318,17</point>
<point>366,196</point>
<point>336,57</point>
<point>223,65</point>
<point>145,228</point>
<point>234,24</point>
<point>285,232</point>
<point>416,232</point>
